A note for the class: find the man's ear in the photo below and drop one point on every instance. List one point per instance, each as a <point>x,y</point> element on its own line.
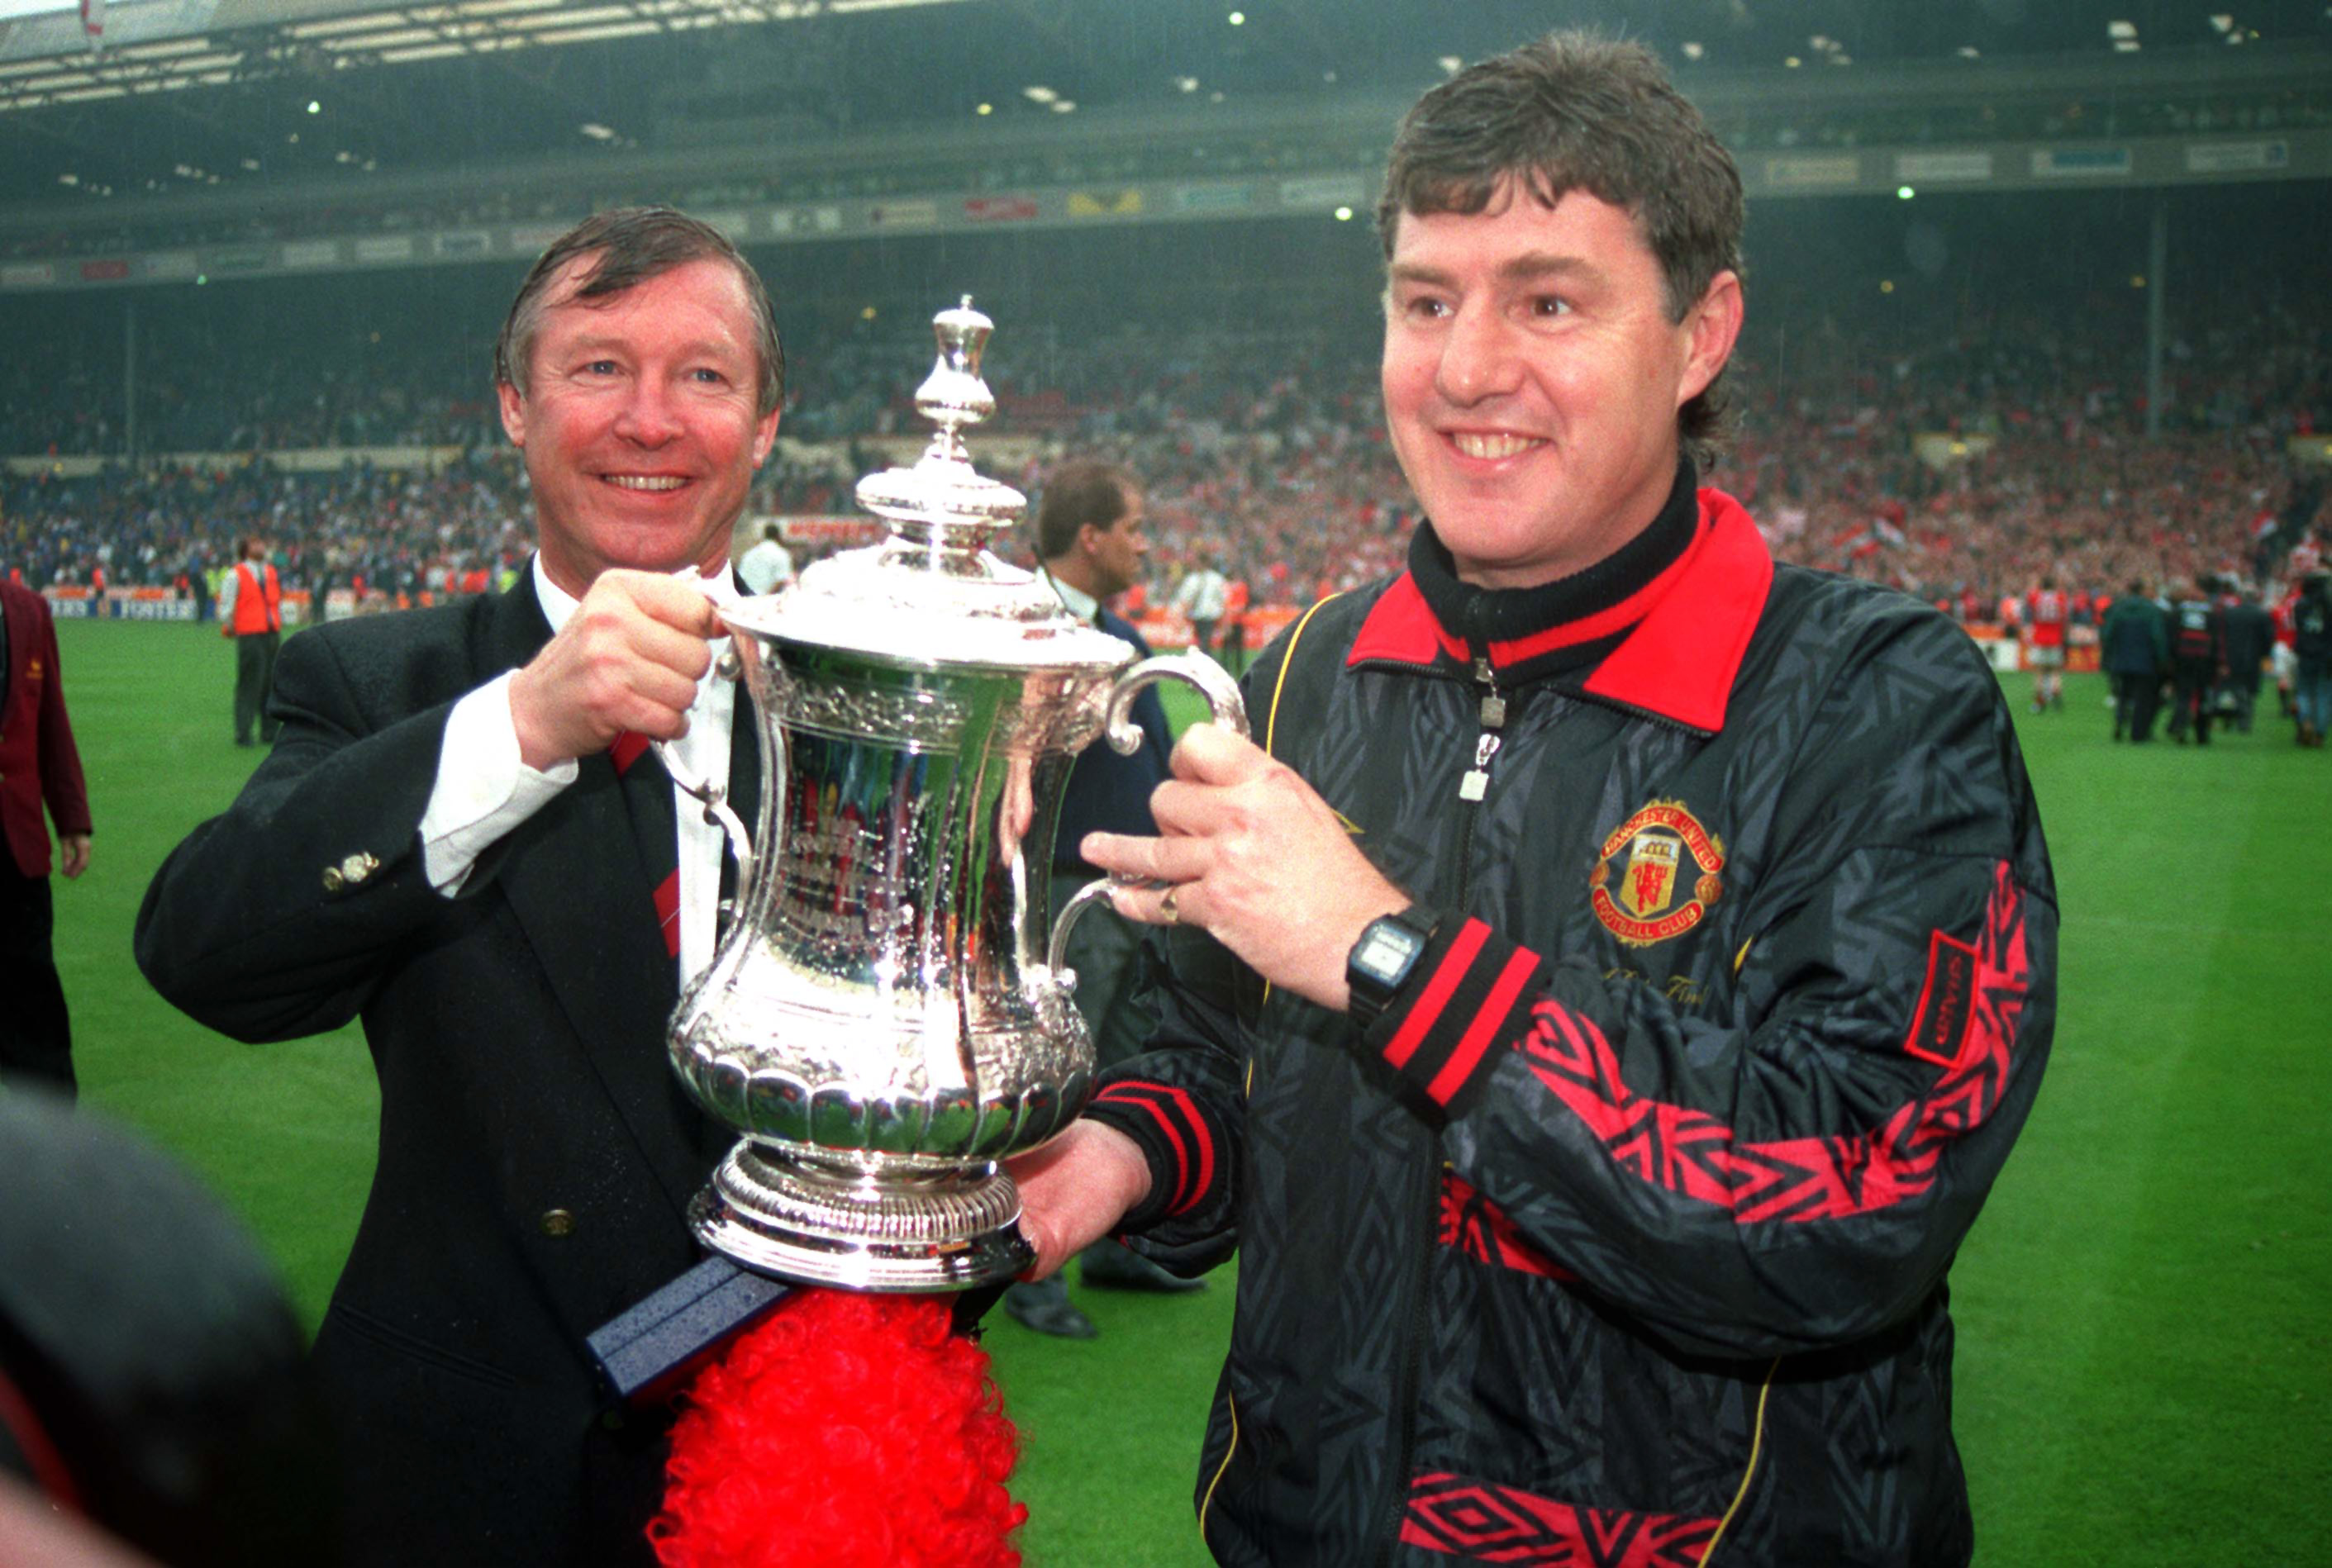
<point>513,409</point>
<point>765,436</point>
<point>1712,327</point>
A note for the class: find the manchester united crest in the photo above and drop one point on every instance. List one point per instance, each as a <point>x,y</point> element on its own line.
<point>1656,875</point>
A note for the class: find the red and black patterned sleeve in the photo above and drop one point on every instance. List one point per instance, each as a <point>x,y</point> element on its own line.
<point>1459,1009</point>
<point>1183,1103</point>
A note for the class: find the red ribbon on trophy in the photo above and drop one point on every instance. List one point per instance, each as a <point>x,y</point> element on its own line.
<point>845,1430</point>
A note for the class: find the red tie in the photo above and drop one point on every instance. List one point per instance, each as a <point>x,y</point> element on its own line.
<point>647,798</point>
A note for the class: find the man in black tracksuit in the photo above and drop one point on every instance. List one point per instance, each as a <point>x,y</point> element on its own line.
<point>2198,660</point>
<point>1600,1004</point>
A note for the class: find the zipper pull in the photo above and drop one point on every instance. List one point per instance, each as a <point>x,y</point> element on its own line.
<point>1477,781</point>
<point>1494,706</point>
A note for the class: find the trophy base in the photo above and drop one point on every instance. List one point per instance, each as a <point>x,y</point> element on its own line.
<point>893,1235</point>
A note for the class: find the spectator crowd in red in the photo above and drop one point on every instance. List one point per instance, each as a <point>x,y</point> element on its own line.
<point>1963,470</point>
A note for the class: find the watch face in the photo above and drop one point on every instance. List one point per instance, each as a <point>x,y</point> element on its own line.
<point>1386,951</point>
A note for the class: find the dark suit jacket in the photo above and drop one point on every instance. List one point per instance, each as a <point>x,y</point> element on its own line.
<point>39,763</point>
<point>2250,637</point>
<point>1109,793</point>
<point>536,1151</point>
<point>2135,637</point>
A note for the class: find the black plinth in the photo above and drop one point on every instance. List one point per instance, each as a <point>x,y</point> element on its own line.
<point>650,1351</point>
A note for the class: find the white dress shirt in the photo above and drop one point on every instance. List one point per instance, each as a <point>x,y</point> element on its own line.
<point>1076,601</point>
<point>484,789</point>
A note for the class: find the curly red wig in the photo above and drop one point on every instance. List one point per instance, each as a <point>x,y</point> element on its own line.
<point>848,1431</point>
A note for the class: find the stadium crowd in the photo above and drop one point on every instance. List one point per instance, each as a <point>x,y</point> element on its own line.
<point>1265,454</point>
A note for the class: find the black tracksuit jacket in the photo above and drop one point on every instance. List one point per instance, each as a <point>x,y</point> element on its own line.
<point>1621,1236</point>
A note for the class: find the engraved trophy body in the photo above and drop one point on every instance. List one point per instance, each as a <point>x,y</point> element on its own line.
<point>888,1014</point>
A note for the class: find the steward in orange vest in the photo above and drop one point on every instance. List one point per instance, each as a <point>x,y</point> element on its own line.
<point>251,611</point>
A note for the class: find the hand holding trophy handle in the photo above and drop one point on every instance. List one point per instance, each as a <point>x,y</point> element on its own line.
<point>1229,708</point>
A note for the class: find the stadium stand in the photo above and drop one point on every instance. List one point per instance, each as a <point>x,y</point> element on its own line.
<point>1271,454</point>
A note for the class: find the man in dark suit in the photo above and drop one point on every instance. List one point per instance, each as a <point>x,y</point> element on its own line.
<point>2136,653</point>
<point>461,839</point>
<point>1089,533</point>
<point>2250,637</point>
<point>39,764</point>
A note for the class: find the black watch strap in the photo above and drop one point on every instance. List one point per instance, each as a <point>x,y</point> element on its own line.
<point>1383,961</point>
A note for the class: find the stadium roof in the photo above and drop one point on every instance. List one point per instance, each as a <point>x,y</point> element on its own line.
<point>179,95</point>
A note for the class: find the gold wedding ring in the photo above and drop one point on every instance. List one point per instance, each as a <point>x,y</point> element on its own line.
<point>1166,905</point>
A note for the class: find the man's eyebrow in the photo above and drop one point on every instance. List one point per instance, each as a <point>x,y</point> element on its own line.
<point>1535,264</point>
<point>700,348</point>
<point>1530,266</point>
<point>1411,272</point>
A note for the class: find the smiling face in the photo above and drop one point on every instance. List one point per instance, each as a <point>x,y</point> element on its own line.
<point>1531,378</point>
<point>638,423</point>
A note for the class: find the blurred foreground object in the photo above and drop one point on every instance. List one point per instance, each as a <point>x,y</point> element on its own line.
<point>150,1366</point>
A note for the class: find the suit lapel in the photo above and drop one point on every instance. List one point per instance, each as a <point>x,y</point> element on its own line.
<point>573,879</point>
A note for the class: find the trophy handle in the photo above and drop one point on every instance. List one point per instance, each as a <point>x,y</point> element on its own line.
<point>1227,707</point>
<point>714,797</point>
<point>1213,681</point>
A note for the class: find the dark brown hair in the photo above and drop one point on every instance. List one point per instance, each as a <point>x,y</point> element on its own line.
<point>1577,111</point>
<point>1076,494</point>
<point>633,244</point>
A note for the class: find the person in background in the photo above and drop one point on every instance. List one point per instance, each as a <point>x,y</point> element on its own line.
<point>195,574</point>
<point>1232,645</point>
<point>2282,662</point>
<point>1200,596</point>
<point>40,768</point>
<point>251,612</point>
<point>2250,639</point>
<point>2134,648</point>
<point>2311,650</point>
<point>767,566</point>
<point>2198,660</point>
<point>1598,1009</point>
<point>2047,612</point>
<point>1090,534</point>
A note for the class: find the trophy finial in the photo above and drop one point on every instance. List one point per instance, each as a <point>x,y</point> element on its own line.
<point>942,496</point>
<point>953,396</point>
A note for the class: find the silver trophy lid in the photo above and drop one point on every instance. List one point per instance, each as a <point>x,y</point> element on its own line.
<point>933,594</point>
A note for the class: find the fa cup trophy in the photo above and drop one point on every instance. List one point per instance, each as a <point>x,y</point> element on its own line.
<point>888,1015</point>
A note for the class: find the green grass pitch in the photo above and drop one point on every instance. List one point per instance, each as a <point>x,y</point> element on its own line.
<point>2144,1372</point>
